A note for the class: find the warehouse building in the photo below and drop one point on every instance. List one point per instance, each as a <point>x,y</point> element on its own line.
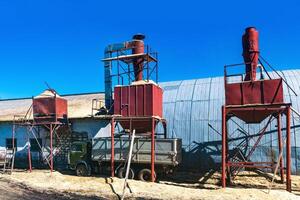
<point>192,109</point>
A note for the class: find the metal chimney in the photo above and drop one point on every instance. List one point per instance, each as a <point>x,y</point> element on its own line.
<point>138,48</point>
<point>250,52</point>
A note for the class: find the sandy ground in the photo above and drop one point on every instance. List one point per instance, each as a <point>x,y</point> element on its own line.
<point>10,190</point>
<point>182,186</point>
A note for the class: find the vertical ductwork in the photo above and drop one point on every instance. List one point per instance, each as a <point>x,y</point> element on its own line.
<point>250,52</point>
<point>107,79</point>
<point>108,71</point>
<point>138,47</point>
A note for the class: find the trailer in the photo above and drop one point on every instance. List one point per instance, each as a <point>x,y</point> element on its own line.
<point>86,158</point>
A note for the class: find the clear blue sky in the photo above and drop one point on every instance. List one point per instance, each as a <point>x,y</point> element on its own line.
<point>62,42</point>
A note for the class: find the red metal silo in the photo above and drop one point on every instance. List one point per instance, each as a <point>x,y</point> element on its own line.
<point>138,100</point>
<point>141,99</point>
<point>250,52</point>
<point>49,107</point>
<point>254,102</point>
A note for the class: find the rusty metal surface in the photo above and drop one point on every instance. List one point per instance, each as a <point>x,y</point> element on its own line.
<point>252,101</point>
<point>50,108</point>
<point>79,106</point>
<point>138,100</point>
<point>138,64</point>
<point>254,92</point>
<point>250,52</point>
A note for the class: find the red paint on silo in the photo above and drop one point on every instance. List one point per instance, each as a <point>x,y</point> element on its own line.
<point>49,107</point>
<point>138,63</point>
<point>250,52</point>
<point>138,100</point>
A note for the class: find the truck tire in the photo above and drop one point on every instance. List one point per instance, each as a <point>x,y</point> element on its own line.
<point>122,173</point>
<point>81,170</point>
<point>145,175</point>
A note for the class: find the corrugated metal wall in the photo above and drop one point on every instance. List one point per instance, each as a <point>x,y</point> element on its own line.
<point>193,109</point>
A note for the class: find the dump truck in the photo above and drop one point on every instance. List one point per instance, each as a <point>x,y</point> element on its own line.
<point>86,158</point>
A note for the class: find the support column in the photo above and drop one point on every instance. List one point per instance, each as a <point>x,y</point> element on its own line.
<point>165,129</point>
<point>13,137</point>
<point>14,148</point>
<point>153,150</point>
<point>288,149</point>
<point>51,148</point>
<point>224,146</point>
<point>112,160</point>
<point>280,146</point>
<point>29,153</point>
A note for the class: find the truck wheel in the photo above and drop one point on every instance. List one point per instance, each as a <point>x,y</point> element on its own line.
<point>81,170</point>
<point>145,175</point>
<point>122,173</point>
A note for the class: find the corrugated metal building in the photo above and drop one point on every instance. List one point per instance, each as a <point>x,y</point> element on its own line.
<point>193,112</point>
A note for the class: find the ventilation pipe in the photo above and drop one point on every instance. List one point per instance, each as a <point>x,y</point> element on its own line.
<point>250,52</point>
<point>138,47</point>
<point>108,71</point>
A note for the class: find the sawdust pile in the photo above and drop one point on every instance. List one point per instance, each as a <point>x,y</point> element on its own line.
<point>247,186</point>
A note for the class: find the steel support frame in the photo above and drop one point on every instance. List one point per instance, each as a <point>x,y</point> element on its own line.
<point>51,126</point>
<point>288,150</point>
<point>153,121</point>
<point>225,165</point>
<point>122,72</point>
<point>280,146</point>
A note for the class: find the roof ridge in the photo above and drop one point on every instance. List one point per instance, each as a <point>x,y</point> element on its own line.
<point>64,95</point>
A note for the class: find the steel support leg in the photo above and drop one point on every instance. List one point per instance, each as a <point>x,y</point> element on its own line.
<point>13,137</point>
<point>280,146</point>
<point>153,151</point>
<point>29,154</point>
<point>165,129</point>
<point>288,149</point>
<point>112,160</point>
<point>224,146</point>
<point>51,148</point>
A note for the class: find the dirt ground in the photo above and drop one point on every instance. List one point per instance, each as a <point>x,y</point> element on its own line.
<point>40,184</point>
<point>10,190</point>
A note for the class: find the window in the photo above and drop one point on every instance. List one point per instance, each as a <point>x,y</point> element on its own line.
<point>9,143</point>
<point>34,144</point>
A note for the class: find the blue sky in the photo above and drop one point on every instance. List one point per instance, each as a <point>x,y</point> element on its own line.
<point>62,42</point>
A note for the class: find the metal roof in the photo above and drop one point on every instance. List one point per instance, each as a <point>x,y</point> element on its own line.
<point>79,106</point>
<point>193,110</point>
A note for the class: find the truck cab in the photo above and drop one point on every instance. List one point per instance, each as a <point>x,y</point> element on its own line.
<point>79,158</point>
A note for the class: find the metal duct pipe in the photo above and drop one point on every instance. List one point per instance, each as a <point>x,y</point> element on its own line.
<point>108,71</point>
<point>138,47</point>
<point>250,52</point>
<point>107,81</point>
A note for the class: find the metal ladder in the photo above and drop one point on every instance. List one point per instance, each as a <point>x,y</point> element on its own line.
<point>8,160</point>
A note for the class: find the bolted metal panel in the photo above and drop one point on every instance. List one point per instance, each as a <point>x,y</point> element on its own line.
<point>138,100</point>
<point>255,92</point>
